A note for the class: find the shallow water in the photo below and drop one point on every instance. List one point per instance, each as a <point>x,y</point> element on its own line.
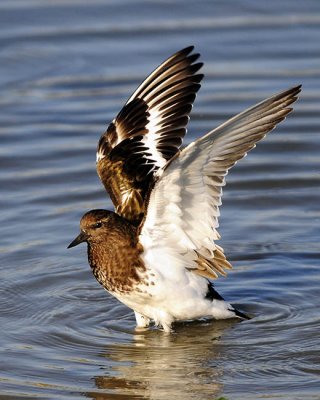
<point>65,71</point>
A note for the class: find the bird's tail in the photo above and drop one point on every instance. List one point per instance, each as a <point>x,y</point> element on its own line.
<point>240,314</point>
<point>229,310</point>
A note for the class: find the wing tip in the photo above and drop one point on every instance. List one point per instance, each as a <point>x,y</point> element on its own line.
<point>296,90</point>
<point>292,93</point>
<point>186,52</point>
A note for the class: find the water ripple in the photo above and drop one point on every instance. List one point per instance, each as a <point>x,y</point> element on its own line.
<point>66,69</point>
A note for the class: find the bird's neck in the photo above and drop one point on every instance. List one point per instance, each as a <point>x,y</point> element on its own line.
<point>115,261</point>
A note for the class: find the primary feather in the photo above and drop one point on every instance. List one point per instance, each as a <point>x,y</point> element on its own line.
<point>148,132</point>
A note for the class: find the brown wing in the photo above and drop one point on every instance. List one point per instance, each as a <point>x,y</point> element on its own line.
<point>147,132</point>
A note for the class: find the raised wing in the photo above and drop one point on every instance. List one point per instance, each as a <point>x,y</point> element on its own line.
<point>147,132</point>
<point>183,209</point>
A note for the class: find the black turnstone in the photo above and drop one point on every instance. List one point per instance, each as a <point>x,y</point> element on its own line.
<point>158,252</point>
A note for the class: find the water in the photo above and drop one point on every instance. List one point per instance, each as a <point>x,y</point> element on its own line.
<point>66,69</point>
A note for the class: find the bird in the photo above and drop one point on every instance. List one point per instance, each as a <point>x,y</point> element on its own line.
<point>157,252</point>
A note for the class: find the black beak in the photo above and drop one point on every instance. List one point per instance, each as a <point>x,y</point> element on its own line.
<point>82,237</point>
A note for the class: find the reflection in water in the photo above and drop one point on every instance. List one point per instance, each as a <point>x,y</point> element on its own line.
<point>183,365</point>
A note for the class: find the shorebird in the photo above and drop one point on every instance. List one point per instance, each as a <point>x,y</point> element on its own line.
<point>158,252</point>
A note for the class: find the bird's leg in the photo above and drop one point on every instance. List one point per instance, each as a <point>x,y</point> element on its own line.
<point>167,327</point>
<point>142,321</point>
<point>165,320</point>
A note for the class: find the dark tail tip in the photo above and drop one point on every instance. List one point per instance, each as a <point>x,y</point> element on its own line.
<point>241,314</point>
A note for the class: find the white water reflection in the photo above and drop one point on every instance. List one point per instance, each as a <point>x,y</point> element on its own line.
<point>183,365</point>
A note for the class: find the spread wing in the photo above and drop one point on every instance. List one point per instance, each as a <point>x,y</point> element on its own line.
<point>147,132</point>
<point>183,210</point>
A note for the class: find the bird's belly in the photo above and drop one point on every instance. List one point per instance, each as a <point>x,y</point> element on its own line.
<point>169,299</point>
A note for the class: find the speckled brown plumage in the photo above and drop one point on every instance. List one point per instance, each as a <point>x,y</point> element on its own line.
<point>126,193</point>
<point>113,250</point>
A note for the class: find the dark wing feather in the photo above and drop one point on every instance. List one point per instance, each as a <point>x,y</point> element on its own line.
<point>148,132</point>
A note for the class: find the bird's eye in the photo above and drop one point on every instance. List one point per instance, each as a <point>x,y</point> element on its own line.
<point>97,225</point>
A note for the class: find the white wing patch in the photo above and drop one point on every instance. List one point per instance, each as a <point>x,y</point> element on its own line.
<point>150,141</point>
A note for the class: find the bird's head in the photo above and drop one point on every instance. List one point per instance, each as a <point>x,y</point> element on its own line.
<point>94,226</point>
